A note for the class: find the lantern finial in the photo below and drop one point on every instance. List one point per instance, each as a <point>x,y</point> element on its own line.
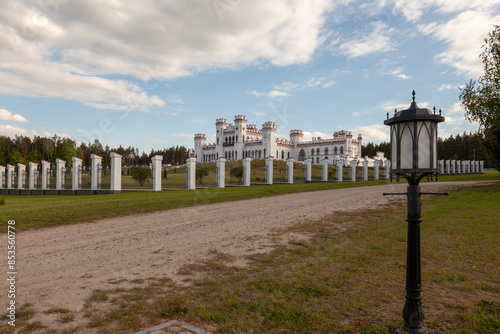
<point>413,93</point>
<point>387,115</point>
<point>395,111</point>
<point>434,110</point>
<point>439,111</point>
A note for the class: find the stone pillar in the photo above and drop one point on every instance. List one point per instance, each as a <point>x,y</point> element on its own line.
<point>2,176</point>
<point>481,167</point>
<point>387,169</point>
<point>441,167</point>
<point>476,168</point>
<point>76,176</point>
<point>308,170</point>
<point>45,174</point>
<point>324,170</point>
<point>191,173</point>
<point>246,171</point>
<point>467,167</point>
<point>447,167</point>
<point>354,164</point>
<point>21,171</point>
<point>220,173</point>
<point>289,170</point>
<point>340,165</point>
<point>96,171</point>
<point>269,170</point>
<point>60,173</point>
<point>459,165</point>
<point>365,170</point>
<point>375,170</point>
<point>116,171</point>
<point>10,173</point>
<point>156,163</point>
<point>32,175</point>
<point>453,167</point>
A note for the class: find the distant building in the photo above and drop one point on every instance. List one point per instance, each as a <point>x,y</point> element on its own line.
<point>240,140</point>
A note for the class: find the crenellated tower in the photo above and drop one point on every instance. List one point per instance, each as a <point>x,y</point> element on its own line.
<point>200,139</point>
<point>220,126</point>
<point>269,139</point>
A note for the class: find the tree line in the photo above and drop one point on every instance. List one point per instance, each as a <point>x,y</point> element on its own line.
<point>24,149</point>
<point>466,146</point>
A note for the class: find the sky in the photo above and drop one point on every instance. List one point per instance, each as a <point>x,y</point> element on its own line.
<point>152,73</point>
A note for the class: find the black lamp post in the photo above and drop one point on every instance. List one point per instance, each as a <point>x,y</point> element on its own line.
<point>413,156</point>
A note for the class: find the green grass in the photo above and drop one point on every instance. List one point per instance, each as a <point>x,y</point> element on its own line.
<point>32,212</point>
<point>349,278</point>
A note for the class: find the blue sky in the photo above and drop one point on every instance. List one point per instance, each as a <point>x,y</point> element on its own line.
<point>152,73</point>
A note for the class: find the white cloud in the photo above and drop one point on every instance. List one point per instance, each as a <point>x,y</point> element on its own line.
<point>314,82</point>
<point>375,42</point>
<point>184,135</point>
<point>373,133</point>
<point>72,49</point>
<point>445,87</point>
<point>273,93</point>
<point>6,115</point>
<point>464,36</point>
<point>11,131</point>
<point>309,135</point>
<point>258,113</point>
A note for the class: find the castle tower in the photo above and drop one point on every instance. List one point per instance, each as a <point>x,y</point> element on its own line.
<point>220,126</point>
<point>348,144</point>
<point>296,136</point>
<point>360,145</point>
<point>269,139</point>
<point>240,131</point>
<point>200,139</point>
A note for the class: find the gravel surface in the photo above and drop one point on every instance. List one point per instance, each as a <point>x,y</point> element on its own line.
<point>61,266</point>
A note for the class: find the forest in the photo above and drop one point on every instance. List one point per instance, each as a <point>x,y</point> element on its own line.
<point>23,149</point>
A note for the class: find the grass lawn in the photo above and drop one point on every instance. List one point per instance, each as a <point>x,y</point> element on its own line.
<point>349,278</point>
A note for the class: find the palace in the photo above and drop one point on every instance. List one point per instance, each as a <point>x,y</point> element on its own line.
<point>240,140</point>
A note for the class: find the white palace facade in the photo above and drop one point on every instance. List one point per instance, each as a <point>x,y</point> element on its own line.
<point>240,140</point>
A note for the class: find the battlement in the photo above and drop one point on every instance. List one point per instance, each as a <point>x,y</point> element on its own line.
<point>240,118</point>
<point>296,131</point>
<point>269,125</point>
<point>200,136</point>
<point>221,120</point>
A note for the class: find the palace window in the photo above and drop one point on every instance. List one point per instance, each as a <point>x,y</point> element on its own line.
<point>302,155</point>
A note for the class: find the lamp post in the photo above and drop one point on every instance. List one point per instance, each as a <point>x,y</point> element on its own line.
<point>413,156</point>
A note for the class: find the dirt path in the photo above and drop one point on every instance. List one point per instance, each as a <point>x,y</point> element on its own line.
<point>59,267</point>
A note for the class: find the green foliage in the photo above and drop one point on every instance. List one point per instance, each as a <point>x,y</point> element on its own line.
<point>237,173</point>
<point>140,174</point>
<point>200,174</point>
<point>16,157</point>
<point>34,156</point>
<point>481,98</point>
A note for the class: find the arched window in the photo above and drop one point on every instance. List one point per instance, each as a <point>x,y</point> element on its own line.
<point>243,138</point>
<point>341,149</point>
<point>335,151</point>
<point>260,154</point>
<point>302,155</point>
<point>317,160</point>
<point>236,138</point>
<point>217,141</point>
<point>225,140</point>
<point>236,155</point>
<point>326,150</point>
<point>217,155</point>
<point>264,153</point>
<point>317,151</point>
<point>233,140</point>
<point>282,154</point>
<point>312,151</point>
<point>277,156</point>
<point>288,155</point>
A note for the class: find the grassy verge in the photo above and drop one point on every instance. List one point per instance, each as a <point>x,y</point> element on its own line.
<point>32,212</point>
<point>349,278</point>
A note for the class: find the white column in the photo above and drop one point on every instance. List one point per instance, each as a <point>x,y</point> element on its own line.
<point>289,170</point>
<point>481,167</point>
<point>354,163</point>
<point>45,174</point>
<point>375,170</point>
<point>220,166</point>
<point>191,173</point>
<point>2,176</point>
<point>459,165</point>
<point>76,176</point>
<point>476,168</point>
<point>453,165</point>
<point>269,170</point>
<point>96,171</point>
<point>116,171</point>
<point>441,167</point>
<point>32,178</point>
<point>308,170</point>
<point>340,172</point>
<point>448,167</point>
<point>10,171</point>
<point>156,161</point>
<point>60,171</point>
<point>21,170</point>
<point>387,169</point>
<point>324,170</point>
<point>246,171</point>
<point>365,170</point>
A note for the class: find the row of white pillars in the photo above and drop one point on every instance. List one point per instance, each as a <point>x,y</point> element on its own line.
<point>460,167</point>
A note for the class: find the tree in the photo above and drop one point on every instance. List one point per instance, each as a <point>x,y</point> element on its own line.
<point>140,174</point>
<point>237,173</point>
<point>481,98</point>
<point>200,174</point>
